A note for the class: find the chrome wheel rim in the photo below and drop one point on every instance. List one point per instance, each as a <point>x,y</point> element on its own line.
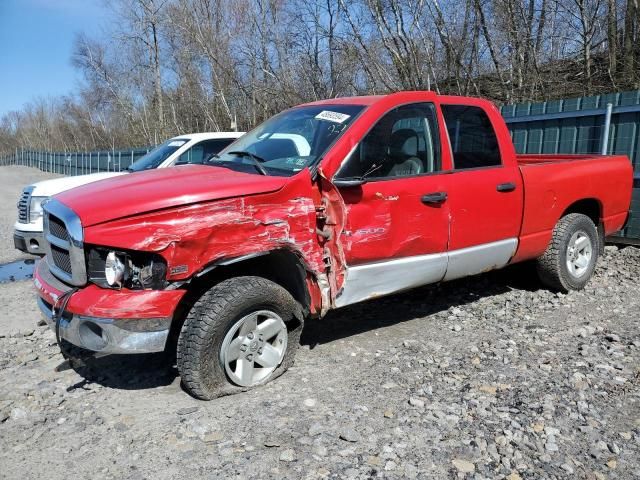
<point>254,347</point>
<point>579,253</point>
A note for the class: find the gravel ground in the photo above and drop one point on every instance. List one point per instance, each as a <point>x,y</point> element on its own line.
<point>15,309</point>
<point>13,179</point>
<point>487,377</point>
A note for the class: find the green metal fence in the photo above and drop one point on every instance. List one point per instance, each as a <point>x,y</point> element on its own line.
<point>75,163</point>
<point>579,125</point>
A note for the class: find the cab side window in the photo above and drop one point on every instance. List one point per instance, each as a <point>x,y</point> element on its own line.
<point>473,140</point>
<point>202,151</point>
<point>403,143</point>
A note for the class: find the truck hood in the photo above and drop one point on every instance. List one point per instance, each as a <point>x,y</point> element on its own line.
<point>142,192</point>
<point>48,188</point>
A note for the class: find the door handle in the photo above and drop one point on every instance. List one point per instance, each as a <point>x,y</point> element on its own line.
<point>434,198</point>
<point>506,187</point>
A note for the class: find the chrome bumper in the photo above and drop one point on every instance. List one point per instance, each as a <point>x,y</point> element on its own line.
<point>29,242</point>
<point>110,335</point>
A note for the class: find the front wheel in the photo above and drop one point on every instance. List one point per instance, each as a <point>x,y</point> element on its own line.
<point>241,333</point>
<point>571,257</point>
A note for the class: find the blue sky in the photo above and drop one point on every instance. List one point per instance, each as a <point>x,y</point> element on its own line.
<point>36,39</point>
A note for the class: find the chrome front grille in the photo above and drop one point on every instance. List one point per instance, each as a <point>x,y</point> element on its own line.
<point>57,228</point>
<point>64,243</point>
<point>61,259</point>
<point>23,205</point>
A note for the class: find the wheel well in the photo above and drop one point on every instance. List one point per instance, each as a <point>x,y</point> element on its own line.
<point>280,266</point>
<point>589,207</point>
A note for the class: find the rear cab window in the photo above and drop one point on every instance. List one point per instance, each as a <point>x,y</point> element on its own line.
<point>474,143</point>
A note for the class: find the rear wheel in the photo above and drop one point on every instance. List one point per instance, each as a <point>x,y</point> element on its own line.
<point>571,257</point>
<point>241,333</point>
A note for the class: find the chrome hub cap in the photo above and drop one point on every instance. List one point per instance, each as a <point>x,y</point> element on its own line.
<point>579,254</point>
<point>254,347</point>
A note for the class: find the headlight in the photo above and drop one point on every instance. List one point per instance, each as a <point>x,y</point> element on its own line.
<point>113,270</point>
<point>35,208</point>
<point>134,270</point>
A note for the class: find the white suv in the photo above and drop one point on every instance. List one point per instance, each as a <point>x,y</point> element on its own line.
<point>181,150</point>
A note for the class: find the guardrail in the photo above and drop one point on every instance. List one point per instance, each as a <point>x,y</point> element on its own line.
<point>75,163</point>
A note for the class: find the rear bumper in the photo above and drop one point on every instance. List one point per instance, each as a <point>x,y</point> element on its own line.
<point>108,321</point>
<point>29,242</point>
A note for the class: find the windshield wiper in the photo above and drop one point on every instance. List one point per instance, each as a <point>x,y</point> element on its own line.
<point>257,161</point>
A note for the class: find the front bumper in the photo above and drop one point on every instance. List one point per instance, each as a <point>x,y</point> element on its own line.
<point>110,335</point>
<point>29,242</point>
<point>108,321</point>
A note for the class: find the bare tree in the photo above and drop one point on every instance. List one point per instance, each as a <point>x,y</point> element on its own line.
<point>173,66</point>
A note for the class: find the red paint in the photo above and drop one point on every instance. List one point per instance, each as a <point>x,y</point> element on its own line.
<point>388,219</point>
<point>553,183</point>
<point>162,188</point>
<point>94,301</point>
<point>197,216</point>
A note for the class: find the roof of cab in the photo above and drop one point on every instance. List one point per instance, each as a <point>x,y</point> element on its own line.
<point>363,100</point>
<point>208,136</point>
<point>368,100</point>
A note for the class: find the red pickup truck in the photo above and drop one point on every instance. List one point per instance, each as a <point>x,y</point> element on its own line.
<point>324,205</point>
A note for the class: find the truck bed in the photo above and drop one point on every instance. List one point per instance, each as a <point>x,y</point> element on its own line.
<point>536,159</point>
<point>553,184</point>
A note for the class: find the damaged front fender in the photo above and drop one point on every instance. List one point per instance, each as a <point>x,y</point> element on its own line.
<point>299,218</point>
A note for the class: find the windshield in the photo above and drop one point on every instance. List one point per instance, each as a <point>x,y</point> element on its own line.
<point>289,141</point>
<point>155,157</point>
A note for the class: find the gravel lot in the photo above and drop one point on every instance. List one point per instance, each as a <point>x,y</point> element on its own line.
<point>17,311</point>
<point>13,179</point>
<point>488,377</point>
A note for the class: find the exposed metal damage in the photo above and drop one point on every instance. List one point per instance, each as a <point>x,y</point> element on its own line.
<point>196,238</point>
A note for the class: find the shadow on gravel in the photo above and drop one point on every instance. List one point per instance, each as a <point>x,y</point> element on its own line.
<point>124,372</point>
<point>417,303</point>
<point>145,371</point>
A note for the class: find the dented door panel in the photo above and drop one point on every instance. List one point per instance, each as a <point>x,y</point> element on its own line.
<point>387,220</point>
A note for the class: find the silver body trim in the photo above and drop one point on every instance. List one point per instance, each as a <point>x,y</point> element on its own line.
<point>377,279</point>
<point>74,245</point>
<point>111,336</point>
<point>480,258</point>
<point>372,280</point>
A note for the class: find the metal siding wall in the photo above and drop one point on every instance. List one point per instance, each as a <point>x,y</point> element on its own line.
<point>562,132</point>
<point>551,136</point>
<point>534,139</point>
<point>568,137</point>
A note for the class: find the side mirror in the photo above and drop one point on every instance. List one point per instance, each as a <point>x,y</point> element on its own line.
<point>349,182</point>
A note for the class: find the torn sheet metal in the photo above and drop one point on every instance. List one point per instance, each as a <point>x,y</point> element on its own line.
<point>199,235</point>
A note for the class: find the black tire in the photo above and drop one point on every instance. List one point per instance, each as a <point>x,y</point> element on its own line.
<point>210,319</point>
<point>552,265</point>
